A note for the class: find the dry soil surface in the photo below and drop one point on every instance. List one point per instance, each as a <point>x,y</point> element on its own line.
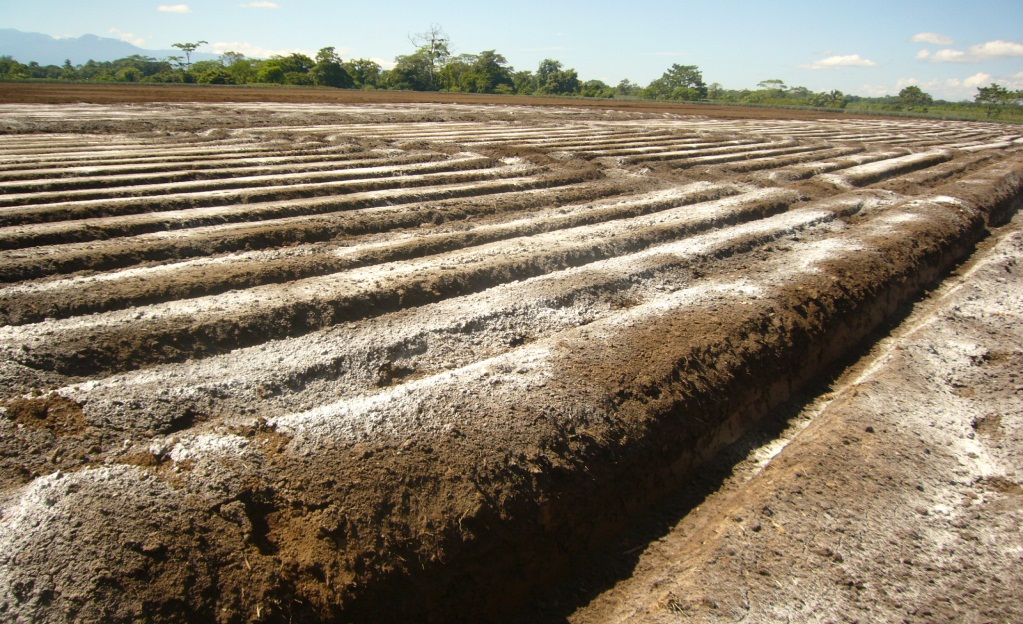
<point>892,495</point>
<point>379,361</point>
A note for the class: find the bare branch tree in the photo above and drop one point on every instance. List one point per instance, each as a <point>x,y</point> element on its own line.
<point>437,43</point>
<point>188,48</point>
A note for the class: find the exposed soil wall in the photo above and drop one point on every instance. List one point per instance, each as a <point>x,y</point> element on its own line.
<point>892,496</point>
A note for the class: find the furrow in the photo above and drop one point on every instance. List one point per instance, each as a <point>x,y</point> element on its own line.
<point>48,180</point>
<point>203,326</point>
<point>870,173</point>
<point>675,381</point>
<point>356,193</point>
<point>808,170</point>
<point>609,139</point>
<point>99,293</point>
<point>270,181</point>
<point>757,163</point>
<point>147,162</point>
<point>808,263</point>
<point>322,220</point>
<point>738,146</point>
<point>764,152</point>
<point>686,146</point>
<point>354,360</point>
<point>128,153</point>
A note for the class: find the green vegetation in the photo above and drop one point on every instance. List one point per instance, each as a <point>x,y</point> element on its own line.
<point>680,82</point>
<point>432,67</point>
<point>993,102</point>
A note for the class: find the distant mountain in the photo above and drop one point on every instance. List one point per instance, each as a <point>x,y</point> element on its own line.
<point>46,50</point>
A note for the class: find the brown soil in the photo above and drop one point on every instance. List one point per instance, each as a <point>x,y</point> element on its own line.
<point>367,361</point>
<point>895,497</point>
<point>57,93</point>
<point>58,414</point>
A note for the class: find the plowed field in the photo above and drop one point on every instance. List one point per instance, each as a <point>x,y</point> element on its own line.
<point>373,361</point>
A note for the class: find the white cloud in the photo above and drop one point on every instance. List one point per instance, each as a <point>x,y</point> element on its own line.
<point>832,62</point>
<point>174,8</point>
<point>948,56</point>
<point>128,37</point>
<point>874,90</point>
<point>933,38</point>
<point>940,89</point>
<point>977,80</point>
<point>254,51</point>
<point>997,49</point>
<point>923,54</point>
<point>964,89</point>
<point>260,5</point>
<point>956,89</point>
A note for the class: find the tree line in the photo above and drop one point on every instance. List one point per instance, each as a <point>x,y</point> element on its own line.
<point>429,68</point>
<point>432,67</point>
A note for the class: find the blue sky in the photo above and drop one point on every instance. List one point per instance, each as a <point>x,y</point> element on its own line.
<point>865,47</point>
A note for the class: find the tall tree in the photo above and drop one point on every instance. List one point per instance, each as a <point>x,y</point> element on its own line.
<point>229,58</point>
<point>456,73</point>
<point>188,48</point>
<point>414,72</point>
<point>996,97</point>
<point>773,84</point>
<point>329,72</point>
<point>552,79</point>
<point>832,99</point>
<point>596,89</point>
<point>679,82</point>
<point>915,96</point>
<point>364,72</point>
<point>486,71</point>
<point>433,50</point>
<point>524,82</point>
<point>626,87</point>
<point>293,69</point>
<point>241,69</point>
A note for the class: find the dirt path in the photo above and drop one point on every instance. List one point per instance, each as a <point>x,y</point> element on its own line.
<point>895,496</point>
